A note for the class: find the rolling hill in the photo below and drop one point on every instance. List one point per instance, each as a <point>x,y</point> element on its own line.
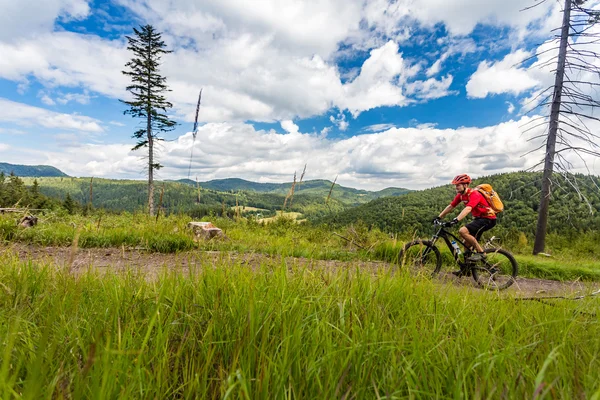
<point>130,195</point>
<point>318,187</point>
<point>31,170</point>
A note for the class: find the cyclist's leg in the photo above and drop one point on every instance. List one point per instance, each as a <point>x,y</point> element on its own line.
<point>470,240</point>
<point>472,232</point>
<point>490,224</point>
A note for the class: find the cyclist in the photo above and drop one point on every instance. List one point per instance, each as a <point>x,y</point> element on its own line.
<point>476,204</point>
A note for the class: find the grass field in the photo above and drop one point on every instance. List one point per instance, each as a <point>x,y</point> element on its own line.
<point>227,331</point>
<point>224,329</point>
<point>282,236</point>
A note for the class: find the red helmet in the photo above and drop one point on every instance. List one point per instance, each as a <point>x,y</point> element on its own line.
<point>463,178</point>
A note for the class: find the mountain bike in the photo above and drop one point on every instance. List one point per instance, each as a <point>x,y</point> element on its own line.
<point>496,271</point>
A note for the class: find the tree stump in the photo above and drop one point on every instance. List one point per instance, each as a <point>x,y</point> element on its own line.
<point>28,221</point>
<point>206,230</point>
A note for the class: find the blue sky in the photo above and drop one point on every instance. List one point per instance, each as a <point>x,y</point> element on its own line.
<point>379,93</point>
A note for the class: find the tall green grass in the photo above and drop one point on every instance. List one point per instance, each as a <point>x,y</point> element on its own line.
<point>280,331</point>
<point>577,257</point>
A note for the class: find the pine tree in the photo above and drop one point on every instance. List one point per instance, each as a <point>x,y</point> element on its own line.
<point>147,89</point>
<point>69,204</point>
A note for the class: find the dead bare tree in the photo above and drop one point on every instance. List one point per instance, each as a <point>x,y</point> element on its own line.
<point>572,101</point>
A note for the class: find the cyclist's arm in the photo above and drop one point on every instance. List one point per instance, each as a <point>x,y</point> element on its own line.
<point>464,213</point>
<point>446,211</point>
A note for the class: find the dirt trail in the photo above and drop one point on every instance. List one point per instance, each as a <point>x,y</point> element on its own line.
<point>151,264</point>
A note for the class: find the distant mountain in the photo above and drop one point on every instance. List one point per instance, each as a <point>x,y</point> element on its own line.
<point>31,170</point>
<point>317,187</point>
<point>235,184</point>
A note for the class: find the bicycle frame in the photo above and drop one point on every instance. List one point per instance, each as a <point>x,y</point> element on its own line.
<point>445,235</point>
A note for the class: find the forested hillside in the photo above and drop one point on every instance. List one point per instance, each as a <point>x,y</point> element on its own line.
<point>520,192</point>
<point>14,193</point>
<point>30,170</point>
<point>317,187</point>
<point>130,195</point>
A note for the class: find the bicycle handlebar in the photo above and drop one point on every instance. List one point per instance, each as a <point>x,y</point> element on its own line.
<point>439,222</point>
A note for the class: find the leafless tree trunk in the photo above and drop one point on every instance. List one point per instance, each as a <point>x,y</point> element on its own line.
<point>150,166</point>
<point>542,224</point>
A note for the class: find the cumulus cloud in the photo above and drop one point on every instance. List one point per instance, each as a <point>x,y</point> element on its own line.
<point>266,61</point>
<point>411,157</point>
<point>431,88</point>
<point>506,76</point>
<point>66,59</point>
<point>340,121</point>
<point>26,115</point>
<point>289,126</point>
<point>37,16</point>
<point>461,16</point>
<point>253,80</point>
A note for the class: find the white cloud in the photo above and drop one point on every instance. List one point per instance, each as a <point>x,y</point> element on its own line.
<point>244,78</point>
<point>289,126</point>
<point>4,147</point>
<point>410,157</point>
<point>452,46</point>
<point>46,99</point>
<point>340,121</point>
<point>314,27</point>
<point>19,20</point>
<point>325,131</point>
<point>461,16</point>
<point>81,98</point>
<point>26,115</point>
<point>12,131</point>
<point>506,76</point>
<point>511,107</point>
<point>431,88</point>
<point>435,68</point>
<point>265,61</point>
<point>67,59</point>
<point>378,127</point>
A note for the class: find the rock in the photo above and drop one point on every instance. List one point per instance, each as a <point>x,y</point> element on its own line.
<point>28,221</point>
<point>206,230</point>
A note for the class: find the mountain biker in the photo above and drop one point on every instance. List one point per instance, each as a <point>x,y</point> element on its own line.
<point>476,204</point>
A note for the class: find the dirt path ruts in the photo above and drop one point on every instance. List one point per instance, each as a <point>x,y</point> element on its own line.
<point>151,264</point>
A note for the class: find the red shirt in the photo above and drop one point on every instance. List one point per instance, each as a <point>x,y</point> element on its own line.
<point>478,203</point>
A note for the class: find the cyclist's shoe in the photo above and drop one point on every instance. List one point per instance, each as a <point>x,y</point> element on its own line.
<point>476,257</point>
<point>460,273</point>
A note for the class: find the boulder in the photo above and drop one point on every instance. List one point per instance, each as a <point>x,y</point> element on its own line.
<point>206,230</point>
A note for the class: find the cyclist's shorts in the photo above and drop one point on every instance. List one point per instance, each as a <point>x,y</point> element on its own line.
<point>480,225</point>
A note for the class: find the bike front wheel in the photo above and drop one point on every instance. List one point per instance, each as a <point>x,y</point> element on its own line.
<point>421,255</point>
<point>497,271</point>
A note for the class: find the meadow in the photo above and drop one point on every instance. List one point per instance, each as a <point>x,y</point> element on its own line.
<point>572,259</point>
<point>279,330</point>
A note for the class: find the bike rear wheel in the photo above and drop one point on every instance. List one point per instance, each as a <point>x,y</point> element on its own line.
<point>497,271</point>
<point>421,255</point>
